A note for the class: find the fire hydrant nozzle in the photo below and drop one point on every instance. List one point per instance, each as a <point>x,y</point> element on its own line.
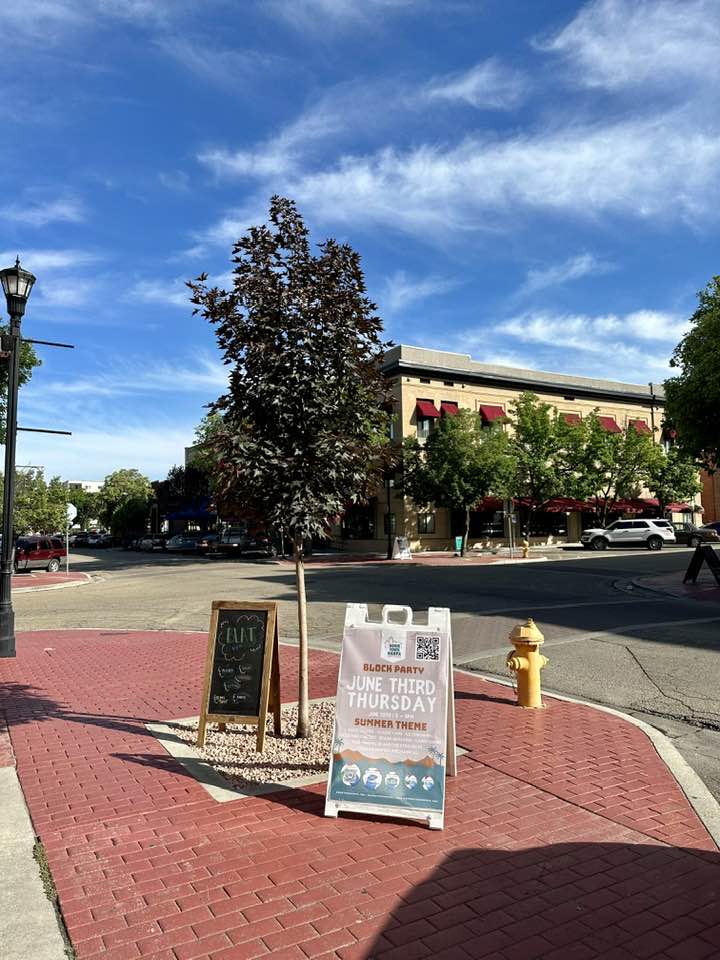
<point>526,662</point>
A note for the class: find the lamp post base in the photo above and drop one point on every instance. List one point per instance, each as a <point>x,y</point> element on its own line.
<point>7,633</point>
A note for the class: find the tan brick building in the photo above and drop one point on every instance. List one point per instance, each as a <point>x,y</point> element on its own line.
<point>427,384</point>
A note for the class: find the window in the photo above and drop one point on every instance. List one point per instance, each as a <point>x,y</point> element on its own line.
<point>448,383</point>
<point>639,524</point>
<point>424,428</point>
<point>426,522</point>
<point>424,380</point>
<point>389,523</point>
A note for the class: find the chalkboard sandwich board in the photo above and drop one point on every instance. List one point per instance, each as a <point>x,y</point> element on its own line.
<point>242,670</point>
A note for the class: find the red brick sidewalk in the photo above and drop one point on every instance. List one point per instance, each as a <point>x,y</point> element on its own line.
<point>22,582</point>
<point>671,583</point>
<point>566,837</point>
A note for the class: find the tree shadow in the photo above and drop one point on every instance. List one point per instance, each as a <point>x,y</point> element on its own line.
<point>569,900</point>
<point>22,703</point>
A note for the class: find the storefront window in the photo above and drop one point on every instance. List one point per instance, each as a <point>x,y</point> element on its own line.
<point>424,428</point>
<point>426,523</point>
<point>389,523</point>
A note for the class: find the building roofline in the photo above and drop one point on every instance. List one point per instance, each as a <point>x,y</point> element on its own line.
<point>404,358</point>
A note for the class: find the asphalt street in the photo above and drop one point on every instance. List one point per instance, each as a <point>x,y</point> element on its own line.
<point>607,640</point>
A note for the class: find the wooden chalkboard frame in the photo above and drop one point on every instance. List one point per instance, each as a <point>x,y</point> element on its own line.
<point>270,685</point>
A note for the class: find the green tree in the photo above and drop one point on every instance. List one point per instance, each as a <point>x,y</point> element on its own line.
<point>130,516</point>
<point>458,465</point>
<point>303,432</point>
<point>119,487</point>
<point>39,507</point>
<point>87,504</point>
<point>617,465</point>
<point>202,455</point>
<point>671,477</point>
<point>693,394</point>
<point>28,361</point>
<point>549,455</point>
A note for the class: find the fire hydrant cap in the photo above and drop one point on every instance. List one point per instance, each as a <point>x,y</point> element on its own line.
<point>526,633</point>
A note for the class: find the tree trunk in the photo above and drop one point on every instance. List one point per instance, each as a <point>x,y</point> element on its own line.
<point>466,532</point>
<point>303,724</point>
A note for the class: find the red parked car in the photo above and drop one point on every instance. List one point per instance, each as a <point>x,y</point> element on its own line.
<point>39,553</point>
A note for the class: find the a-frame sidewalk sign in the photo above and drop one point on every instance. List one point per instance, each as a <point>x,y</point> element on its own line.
<point>242,668</point>
<point>394,738</point>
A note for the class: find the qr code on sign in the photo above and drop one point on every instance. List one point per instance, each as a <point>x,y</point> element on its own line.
<point>427,648</point>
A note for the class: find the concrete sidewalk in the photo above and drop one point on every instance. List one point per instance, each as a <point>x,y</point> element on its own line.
<point>567,836</point>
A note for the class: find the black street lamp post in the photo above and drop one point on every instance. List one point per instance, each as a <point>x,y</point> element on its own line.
<point>17,284</point>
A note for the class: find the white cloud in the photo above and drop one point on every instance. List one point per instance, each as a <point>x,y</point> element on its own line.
<point>573,268</point>
<point>402,291</point>
<point>207,377</point>
<point>176,180</point>
<point>652,168</point>
<point>40,213</point>
<point>280,155</point>
<point>601,334</point>
<point>174,294</point>
<point>315,15</point>
<point>93,453</point>
<point>487,85</point>
<point>39,261</point>
<point>223,67</point>
<point>623,43</point>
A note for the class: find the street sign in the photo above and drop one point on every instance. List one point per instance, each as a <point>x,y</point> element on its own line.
<point>394,717</point>
<point>71,512</point>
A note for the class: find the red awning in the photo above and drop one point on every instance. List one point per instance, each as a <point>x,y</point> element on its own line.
<point>449,407</point>
<point>609,424</point>
<point>572,419</point>
<point>640,426</point>
<point>679,508</point>
<point>491,413</point>
<point>426,409</point>
<point>566,505</point>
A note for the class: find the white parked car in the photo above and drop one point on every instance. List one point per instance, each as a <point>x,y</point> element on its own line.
<point>652,534</point>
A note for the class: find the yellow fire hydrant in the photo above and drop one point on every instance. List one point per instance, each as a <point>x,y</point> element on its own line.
<point>526,549</point>
<point>527,662</point>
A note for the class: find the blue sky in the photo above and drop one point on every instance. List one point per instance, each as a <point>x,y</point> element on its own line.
<point>535,184</point>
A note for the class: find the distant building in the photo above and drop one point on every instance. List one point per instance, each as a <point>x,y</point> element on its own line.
<point>429,384</point>
<point>89,486</point>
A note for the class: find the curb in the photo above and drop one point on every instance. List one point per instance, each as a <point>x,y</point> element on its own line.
<point>698,796</point>
<point>55,586</point>
<point>637,582</point>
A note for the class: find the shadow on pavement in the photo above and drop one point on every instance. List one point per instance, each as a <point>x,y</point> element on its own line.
<point>568,900</point>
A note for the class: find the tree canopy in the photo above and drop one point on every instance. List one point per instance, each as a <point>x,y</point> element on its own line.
<point>693,394</point>
<point>120,487</point>
<point>458,465</point>
<point>303,432</point>
<point>40,507</point>
<point>29,360</point>
<point>672,477</point>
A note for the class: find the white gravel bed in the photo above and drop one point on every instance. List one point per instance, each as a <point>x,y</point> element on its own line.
<point>284,758</point>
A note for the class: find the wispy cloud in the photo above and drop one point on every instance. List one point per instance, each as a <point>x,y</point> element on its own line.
<point>40,261</point>
<point>176,180</point>
<point>173,294</point>
<point>600,334</point>
<point>403,291</point>
<point>489,85</point>
<point>114,444</point>
<point>582,265</point>
<point>40,213</point>
<point>315,15</point>
<point>225,67</point>
<point>624,43</point>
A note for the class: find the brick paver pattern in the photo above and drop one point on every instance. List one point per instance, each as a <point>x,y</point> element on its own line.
<point>566,837</point>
